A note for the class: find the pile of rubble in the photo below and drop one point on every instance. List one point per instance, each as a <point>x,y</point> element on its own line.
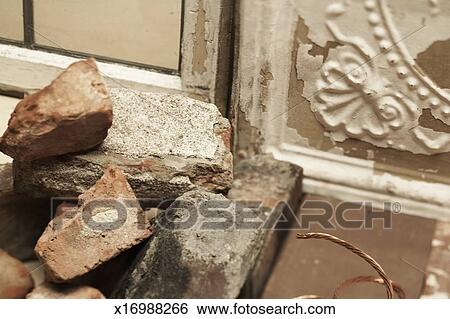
<point>86,159</point>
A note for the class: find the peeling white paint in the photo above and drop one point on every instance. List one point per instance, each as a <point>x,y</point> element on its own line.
<point>393,95</point>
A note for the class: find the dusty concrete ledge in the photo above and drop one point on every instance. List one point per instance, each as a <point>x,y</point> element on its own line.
<point>211,260</point>
<point>165,144</point>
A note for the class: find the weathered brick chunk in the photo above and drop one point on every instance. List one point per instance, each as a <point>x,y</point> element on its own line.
<point>165,144</point>
<point>15,280</point>
<point>53,291</point>
<point>107,221</point>
<point>72,114</point>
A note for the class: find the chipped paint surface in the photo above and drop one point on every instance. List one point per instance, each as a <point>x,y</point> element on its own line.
<point>206,48</point>
<point>200,51</point>
<point>370,87</point>
<point>365,85</point>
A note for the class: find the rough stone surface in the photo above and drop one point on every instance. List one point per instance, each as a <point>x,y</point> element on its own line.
<point>278,186</point>
<point>53,291</point>
<point>22,219</point>
<point>165,144</point>
<point>263,178</point>
<point>194,262</point>
<point>107,221</point>
<point>15,280</point>
<point>72,114</point>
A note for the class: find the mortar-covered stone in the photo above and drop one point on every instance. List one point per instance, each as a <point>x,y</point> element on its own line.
<point>165,144</point>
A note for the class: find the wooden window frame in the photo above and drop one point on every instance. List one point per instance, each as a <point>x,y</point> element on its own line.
<point>205,59</point>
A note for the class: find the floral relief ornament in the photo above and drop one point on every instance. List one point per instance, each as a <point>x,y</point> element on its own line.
<point>354,100</point>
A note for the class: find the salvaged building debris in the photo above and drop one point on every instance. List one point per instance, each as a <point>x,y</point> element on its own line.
<point>193,263</point>
<point>160,145</point>
<point>215,253</point>
<point>72,114</point>
<point>165,144</point>
<point>118,193</point>
<point>107,220</point>
<point>15,280</point>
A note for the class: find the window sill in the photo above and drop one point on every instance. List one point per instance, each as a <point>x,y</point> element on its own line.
<point>26,70</point>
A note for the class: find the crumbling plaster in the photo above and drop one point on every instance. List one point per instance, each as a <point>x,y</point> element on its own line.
<point>303,44</point>
<point>400,131</point>
<point>370,88</point>
<point>206,49</point>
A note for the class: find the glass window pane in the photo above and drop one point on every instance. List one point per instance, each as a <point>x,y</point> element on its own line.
<point>11,24</point>
<point>140,31</point>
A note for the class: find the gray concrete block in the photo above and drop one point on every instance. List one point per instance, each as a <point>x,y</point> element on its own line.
<point>216,260</point>
<point>192,263</point>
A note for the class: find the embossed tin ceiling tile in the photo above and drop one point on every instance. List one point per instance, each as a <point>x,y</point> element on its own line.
<point>370,87</point>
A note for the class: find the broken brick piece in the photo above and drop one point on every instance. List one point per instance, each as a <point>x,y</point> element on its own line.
<point>107,221</point>
<point>53,291</point>
<point>15,280</point>
<point>72,114</point>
